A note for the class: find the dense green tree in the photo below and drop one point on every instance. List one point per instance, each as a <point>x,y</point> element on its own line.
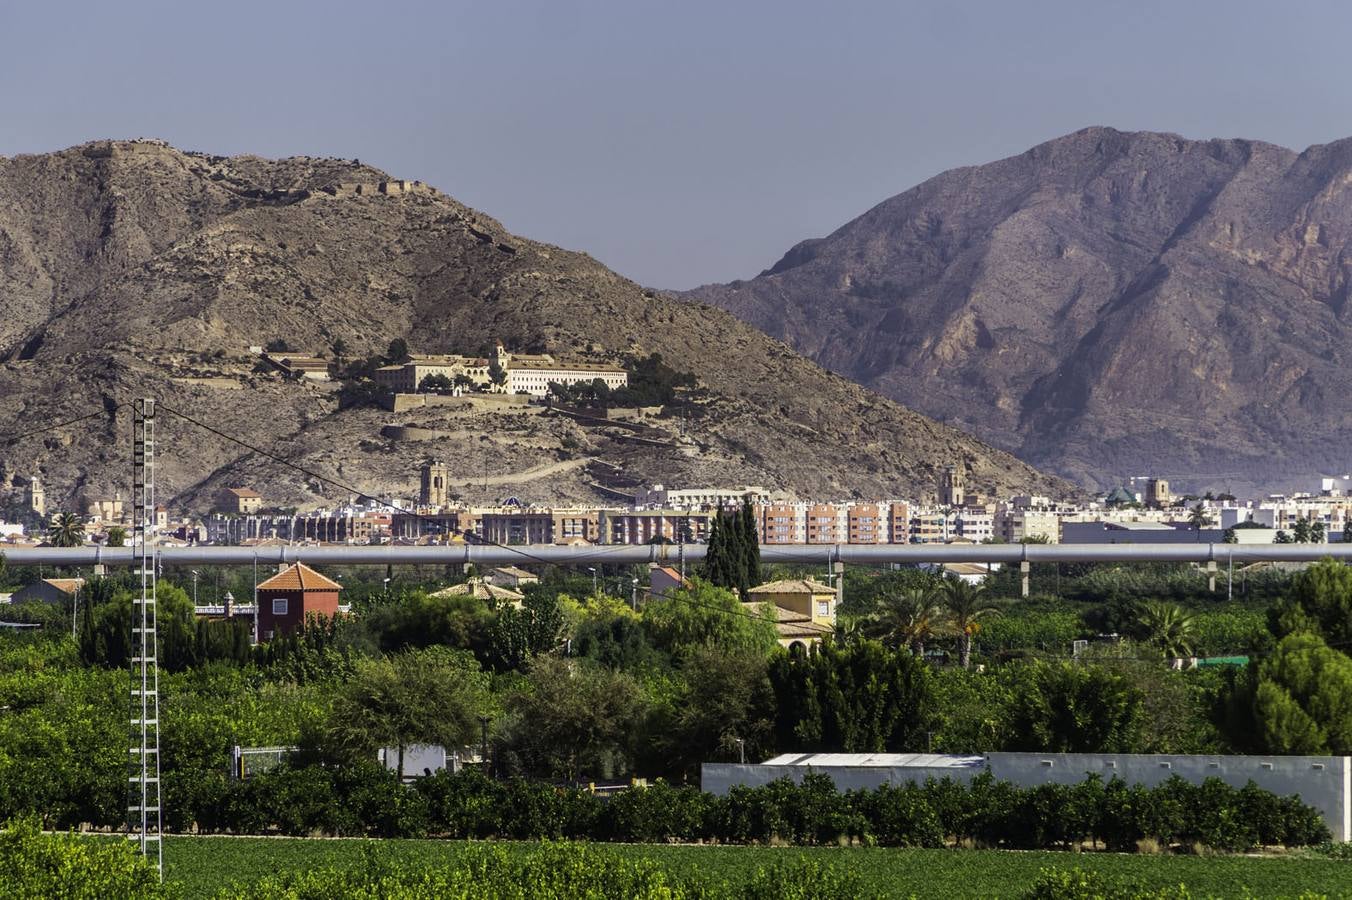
<point>436,384</point>
<point>397,353</point>
<point>702,615</point>
<point>117,536</point>
<point>859,698</point>
<point>1297,701</point>
<point>1300,531</point>
<point>1072,708</point>
<point>417,619</point>
<point>721,699</point>
<point>750,557</point>
<point>433,696</point>
<point>519,634</point>
<point>966,605</point>
<point>1319,600</point>
<point>732,556</point>
<point>497,374</point>
<point>571,719</point>
<point>66,530</point>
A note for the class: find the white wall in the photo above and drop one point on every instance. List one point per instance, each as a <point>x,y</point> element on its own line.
<point>719,778</point>
<point>1323,782</point>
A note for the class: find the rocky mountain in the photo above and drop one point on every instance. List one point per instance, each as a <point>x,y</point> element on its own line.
<point>1105,304</point>
<point>129,268</point>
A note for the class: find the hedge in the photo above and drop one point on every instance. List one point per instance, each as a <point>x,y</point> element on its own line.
<point>35,865</point>
<point>558,870</point>
<point>370,801</point>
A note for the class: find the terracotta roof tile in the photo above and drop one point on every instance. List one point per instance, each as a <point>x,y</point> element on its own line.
<point>299,577</point>
<point>795,586</point>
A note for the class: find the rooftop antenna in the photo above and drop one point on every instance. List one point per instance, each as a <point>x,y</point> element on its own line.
<point>143,781</point>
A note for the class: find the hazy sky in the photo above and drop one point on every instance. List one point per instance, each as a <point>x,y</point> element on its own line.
<point>678,142</point>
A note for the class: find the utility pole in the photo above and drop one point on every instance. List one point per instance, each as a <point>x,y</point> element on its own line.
<point>143,782</point>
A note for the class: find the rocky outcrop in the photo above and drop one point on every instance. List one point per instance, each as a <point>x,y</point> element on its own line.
<point>1105,304</point>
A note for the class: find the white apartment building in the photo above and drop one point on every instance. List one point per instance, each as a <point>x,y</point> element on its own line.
<point>696,498</point>
<point>1014,525</point>
<point>975,525</point>
<point>535,379</point>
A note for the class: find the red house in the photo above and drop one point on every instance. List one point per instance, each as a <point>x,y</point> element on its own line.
<point>288,598</point>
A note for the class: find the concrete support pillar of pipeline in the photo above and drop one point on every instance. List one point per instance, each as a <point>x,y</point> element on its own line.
<point>1211,575</point>
<point>1023,572</point>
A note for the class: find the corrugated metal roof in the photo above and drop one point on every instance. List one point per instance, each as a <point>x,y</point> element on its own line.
<point>882,760</point>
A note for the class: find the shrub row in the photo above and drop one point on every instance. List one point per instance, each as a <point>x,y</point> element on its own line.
<point>370,801</point>
<point>552,870</point>
<point>33,865</point>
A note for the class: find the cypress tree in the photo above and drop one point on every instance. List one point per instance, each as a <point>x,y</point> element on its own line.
<point>713,556</point>
<point>750,545</point>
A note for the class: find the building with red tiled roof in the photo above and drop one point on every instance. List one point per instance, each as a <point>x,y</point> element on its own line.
<point>289,598</point>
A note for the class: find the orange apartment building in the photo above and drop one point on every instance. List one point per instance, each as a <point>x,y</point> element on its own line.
<point>780,523</point>
<point>866,524</point>
<point>823,524</point>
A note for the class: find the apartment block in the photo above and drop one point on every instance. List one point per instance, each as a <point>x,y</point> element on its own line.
<point>826,524</point>
<point>867,524</point>
<point>782,523</point>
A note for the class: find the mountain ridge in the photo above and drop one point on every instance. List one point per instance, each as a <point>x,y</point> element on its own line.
<point>1078,304</point>
<point>129,268</point>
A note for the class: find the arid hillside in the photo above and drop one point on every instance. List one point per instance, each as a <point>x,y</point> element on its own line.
<point>134,269</point>
<point>1105,304</point>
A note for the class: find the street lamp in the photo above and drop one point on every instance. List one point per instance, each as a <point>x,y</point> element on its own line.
<point>633,596</point>
<point>483,755</point>
<point>741,750</point>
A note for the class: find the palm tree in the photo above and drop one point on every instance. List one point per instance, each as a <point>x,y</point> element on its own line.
<point>1199,518</point>
<point>65,530</point>
<point>966,604</point>
<point>1168,626</point>
<point>906,619</point>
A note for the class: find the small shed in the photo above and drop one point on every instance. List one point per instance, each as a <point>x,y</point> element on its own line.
<point>293,595</point>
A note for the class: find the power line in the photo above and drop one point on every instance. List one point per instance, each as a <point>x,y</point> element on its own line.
<point>15,438</point>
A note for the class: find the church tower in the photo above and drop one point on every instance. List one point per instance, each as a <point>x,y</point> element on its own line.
<point>433,487</point>
<point>953,486</point>
<point>36,497</point>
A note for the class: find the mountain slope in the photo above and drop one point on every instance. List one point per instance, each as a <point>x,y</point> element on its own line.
<point>1105,304</point>
<point>133,269</point>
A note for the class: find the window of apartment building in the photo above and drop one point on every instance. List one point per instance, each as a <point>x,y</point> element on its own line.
<point>279,606</point>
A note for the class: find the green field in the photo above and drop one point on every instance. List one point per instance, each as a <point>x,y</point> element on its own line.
<point>201,866</point>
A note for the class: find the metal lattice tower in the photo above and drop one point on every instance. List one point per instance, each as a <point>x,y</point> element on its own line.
<point>143,782</point>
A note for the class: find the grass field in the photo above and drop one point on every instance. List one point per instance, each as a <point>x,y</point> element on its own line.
<point>201,866</point>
